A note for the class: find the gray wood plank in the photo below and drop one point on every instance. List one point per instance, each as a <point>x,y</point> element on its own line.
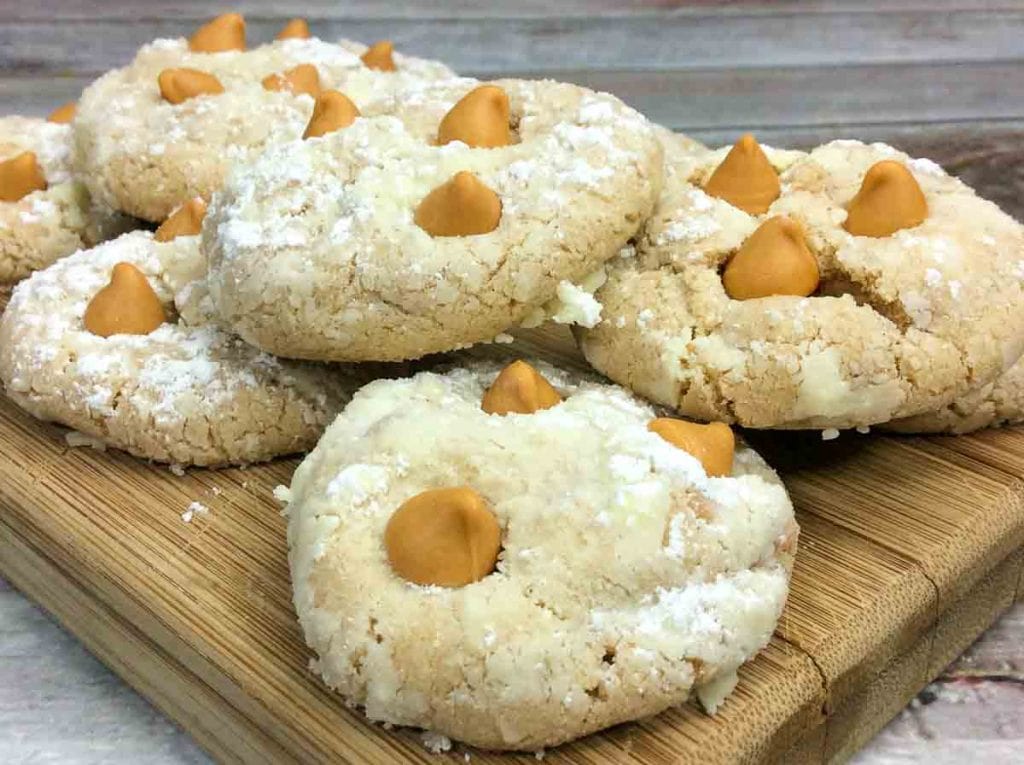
<point>46,10</point>
<point>668,42</point>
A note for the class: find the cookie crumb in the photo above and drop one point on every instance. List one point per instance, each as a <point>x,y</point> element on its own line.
<point>177,469</point>
<point>75,439</point>
<point>282,494</point>
<point>863,429</point>
<point>829,434</point>
<point>435,743</point>
<point>194,509</point>
<point>503,338</point>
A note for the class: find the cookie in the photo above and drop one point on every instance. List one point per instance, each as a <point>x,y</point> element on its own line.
<point>136,362</point>
<point>517,580</point>
<point>993,405</point>
<point>145,149</point>
<point>374,242</point>
<point>44,213</point>
<point>783,318</point>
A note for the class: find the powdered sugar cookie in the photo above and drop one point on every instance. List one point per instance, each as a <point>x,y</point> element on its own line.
<point>864,286</point>
<point>175,390</point>
<point>145,149</point>
<point>517,580</point>
<point>391,239</point>
<point>44,214</point>
<point>991,406</point>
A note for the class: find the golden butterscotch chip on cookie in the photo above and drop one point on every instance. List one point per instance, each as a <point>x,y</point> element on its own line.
<point>118,343</point>
<point>745,178</point>
<point>332,111</point>
<point>889,199</point>
<point>181,84</point>
<point>713,444</point>
<point>187,220</point>
<point>519,389</point>
<point>774,260</point>
<point>126,306</point>
<point>63,114</point>
<point>20,176</point>
<point>462,206</point>
<point>480,118</point>
<point>566,549</point>
<point>443,537</point>
<point>224,33</point>
<point>303,78</point>
<point>870,287</point>
<point>294,29</point>
<point>379,56</point>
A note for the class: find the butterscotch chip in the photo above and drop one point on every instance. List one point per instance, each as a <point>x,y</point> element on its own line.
<point>378,56</point>
<point>745,178</point>
<point>889,199</point>
<point>187,220</point>
<point>126,306</point>
<point>774,260</point>
<point>464,206</point>
<point>480,119</point>
<point>333,111</point>
<point>521,389</point>
<point>20,176</point>
<point>63,114</point>
<point>443,537</point>
<point>224,33</point>
<point>713,444</point>
<point>615,545</point>
<point>179,85</point>
<point>303,78</point>
<point>294,29</point>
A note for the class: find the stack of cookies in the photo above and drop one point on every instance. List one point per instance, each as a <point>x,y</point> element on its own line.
<point>512,556</point>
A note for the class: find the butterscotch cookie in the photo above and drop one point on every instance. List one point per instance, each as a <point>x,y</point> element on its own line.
<point>993,405</point>
<point>44,213</point>
<point>399,236</point>
<point>845,287</point>
<point>117,343</point>
<point>516,560</point>
<point>165,128</point>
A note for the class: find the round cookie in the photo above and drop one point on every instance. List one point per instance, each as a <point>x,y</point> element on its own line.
<point>141,154</point>
<point>627,578</point>
<point>898,324</point>
<point>47,223</point>
<point>186,393</point>
<point>991,406</point>
<point>317,249</point>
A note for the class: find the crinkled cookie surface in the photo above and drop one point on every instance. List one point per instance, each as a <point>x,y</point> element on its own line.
<point>627,578</point>
<point>314,252</point>
<point>898,326</point>
<point>143,155</point>
<point>186,393</point>
<point>49,224</point>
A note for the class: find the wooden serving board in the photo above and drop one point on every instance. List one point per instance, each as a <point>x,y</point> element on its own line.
<point>909,548</point>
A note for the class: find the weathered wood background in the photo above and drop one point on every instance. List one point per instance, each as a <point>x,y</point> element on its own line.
<point>941,79</point>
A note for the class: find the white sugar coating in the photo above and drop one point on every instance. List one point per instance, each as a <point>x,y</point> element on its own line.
<point>627,580</point>
<point>49,224</point>
<point>187,393</point>
<point>572,304</point>
<point>141,154</point>
<point>314,252</point>
<point>899,325</point>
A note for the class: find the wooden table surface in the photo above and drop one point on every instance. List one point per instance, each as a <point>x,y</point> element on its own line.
<point>942,79</point>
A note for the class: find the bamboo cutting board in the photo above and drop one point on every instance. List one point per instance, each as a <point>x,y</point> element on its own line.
<point>909,548</point>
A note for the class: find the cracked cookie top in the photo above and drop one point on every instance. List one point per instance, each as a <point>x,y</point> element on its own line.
<point>897,324</point>
<point>337,248</point>
<point>143,154</point>
<point>627,578</point>
<point>185,393</point>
